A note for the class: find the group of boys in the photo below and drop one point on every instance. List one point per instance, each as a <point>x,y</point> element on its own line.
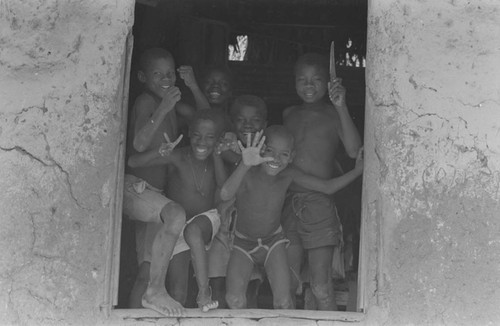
<point>240,194</point>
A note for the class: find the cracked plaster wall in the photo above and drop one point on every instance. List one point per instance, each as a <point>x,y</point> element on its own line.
<point>60,116</point>
<point>432,202</point>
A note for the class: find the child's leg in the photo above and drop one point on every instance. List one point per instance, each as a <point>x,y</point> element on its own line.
<point>218,286</point>
<point>253,293</point>
<point>197,234</point>
<point>320,267</point>
<point>295,256</point>
<point>140,286</point>
<point>278,272</point>
<point>178,276</point>
<point>144,236</point>
<point>156,296</point>
<point>239,271</point>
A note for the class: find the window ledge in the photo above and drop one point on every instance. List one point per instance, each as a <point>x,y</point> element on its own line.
<point>346,316</point>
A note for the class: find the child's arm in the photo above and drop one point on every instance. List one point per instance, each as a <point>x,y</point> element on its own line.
<point>329,186</point>
<point>228,149</point>
<point>230,157</point>
<point>187,74</point>
<point>220,170</point>
<point>155,157</point>
<point>348,132</point>
<point>220,175</point>
<point>232,184</point>
<point>250,157</point>
<point>149,119</point>
<point>185,111</point>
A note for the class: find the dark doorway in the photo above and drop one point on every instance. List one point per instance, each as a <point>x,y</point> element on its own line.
<point>201,32</point>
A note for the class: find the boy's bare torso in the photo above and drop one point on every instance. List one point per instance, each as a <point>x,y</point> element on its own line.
<point>316,132</point>
<point>154,175</point>
<point>189,184</point>
<point>259,202</point>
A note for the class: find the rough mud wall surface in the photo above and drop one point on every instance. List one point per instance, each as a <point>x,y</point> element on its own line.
<point>434,140</point>
<point>60,65</point>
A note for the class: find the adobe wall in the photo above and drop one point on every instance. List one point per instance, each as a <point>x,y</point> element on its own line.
<point>432,142</point>
<point>60,120</point>
<point>431,183</point>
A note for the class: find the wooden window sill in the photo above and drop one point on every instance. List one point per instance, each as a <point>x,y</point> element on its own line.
<point>345,316</point>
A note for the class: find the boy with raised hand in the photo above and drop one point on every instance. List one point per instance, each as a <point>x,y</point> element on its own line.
<point>318,126</point>
<point>159,220</point>
<point>248,114</point>
<point>259,184</point>
<point>194,175</point>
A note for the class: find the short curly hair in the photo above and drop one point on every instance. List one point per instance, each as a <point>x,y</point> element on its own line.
<point>248,100</point>
<point>152,54</point>
<point>313,59</point>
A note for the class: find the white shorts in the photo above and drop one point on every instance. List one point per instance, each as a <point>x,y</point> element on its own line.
<point>146,232</point>
<point>213,216</point>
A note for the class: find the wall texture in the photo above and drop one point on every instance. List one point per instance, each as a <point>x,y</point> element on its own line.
<point>432,202</point>
<point>431,196</point>
<point>60,120</point>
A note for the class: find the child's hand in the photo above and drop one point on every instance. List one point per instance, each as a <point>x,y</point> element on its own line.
<point>186,73</point>
<point>251,154</point>
<point>228,142</point>
<point>167,148</point>
<point>224,144</point>
<point>171,96</point>
<point>336,92</point>
<point>360,160</point>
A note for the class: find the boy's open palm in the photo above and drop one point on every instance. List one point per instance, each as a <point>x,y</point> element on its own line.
<point>251,154</point>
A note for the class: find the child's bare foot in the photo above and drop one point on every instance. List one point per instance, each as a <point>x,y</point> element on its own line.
<point>205,302</point>
<point>162,302</point>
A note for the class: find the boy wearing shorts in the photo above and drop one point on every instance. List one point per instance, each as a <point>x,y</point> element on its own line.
<point>248,115</point>
<point>194,174</point>
<point>159,219</point>
<point>318,126</point>
<point>259,184</point>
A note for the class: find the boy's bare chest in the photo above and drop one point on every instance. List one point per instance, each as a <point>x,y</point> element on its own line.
<point>306,124</point>
<point>194,176</point>
<point>266,190</point>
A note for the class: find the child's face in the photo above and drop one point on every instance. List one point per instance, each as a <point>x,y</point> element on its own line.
<point>280,148</point>
<point>248,120</point>
<point>310,83</point>
<point>217,87</point>
<point>203,137</point>
<point>159,75</point>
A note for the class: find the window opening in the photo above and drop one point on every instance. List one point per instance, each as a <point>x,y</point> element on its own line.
<point>237,51</point>
<point>271,49</point>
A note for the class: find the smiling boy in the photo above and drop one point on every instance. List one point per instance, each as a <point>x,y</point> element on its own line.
<point>319,127</point>
<point>159,220</point>
<point>248,114</point>
<point>260,184</point>
<point>194,173</point>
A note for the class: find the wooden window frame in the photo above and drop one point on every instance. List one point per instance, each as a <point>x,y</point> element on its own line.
<point>111,279</point>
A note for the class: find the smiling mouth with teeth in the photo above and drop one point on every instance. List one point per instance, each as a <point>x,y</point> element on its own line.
<point>273,165</point>
<point>165,87</point>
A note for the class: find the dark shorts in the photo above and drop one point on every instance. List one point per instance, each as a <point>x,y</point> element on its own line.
<point>258,250</point>
<point>311,220</point>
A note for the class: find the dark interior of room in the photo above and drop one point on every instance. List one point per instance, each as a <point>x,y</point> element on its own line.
<point>200,32</point>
